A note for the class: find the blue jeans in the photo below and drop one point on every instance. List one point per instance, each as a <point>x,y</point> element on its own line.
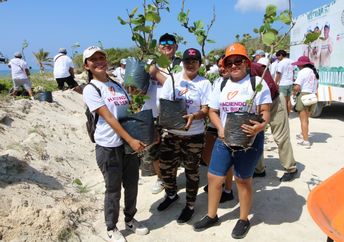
<point>244,161</point>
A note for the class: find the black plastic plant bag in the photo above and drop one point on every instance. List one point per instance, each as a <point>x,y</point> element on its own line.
<point>45,96</point>
<point>234,136</point>
<point>171,114</point>
<point>136,75</point>
<point>140,126</point>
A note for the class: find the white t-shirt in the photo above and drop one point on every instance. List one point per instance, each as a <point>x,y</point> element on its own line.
<point>62,63</point>
<point>307,80</point>
<point>195,92</point>
<point>116,100</point>
<point>286,69</point>
<point>119,73</point>
<point>234,96</point>
<point>273,68</point>
<point>18,67</point>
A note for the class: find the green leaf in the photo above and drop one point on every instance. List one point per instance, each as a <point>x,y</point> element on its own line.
<point>269,38</point>
<point>133,12</point>
<point>210,41</point>
<point>182,17</point>
<point>255,30</point>
<point>198,24</point>
<point>77,181</point>
<point>270,10</point>
<point>200,39</point>
<point>140,20</point>
<point>153,44</point>
<point>121,20</point>
<point>145,29</point>
<point>153,17</point>
<point>259,87</point>
<point>285,18</point>
<point>312,36</point>
<point>163,61</point>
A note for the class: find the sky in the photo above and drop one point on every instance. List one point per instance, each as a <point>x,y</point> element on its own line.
<point>51,24</point>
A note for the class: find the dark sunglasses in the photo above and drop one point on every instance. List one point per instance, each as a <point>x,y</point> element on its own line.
<point>236,62</point>
<point>167,42</point>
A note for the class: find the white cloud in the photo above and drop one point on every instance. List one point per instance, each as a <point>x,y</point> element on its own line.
<point>254,5</point>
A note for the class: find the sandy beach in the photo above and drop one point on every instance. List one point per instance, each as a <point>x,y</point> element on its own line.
<point>44,148</point>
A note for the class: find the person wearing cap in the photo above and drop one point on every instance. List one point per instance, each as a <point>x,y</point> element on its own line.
<point>119,72</point>
<point>279,125</point>
<point>231,97</point>
<point>20,74</point>
<point>326,44</point>
<point>305,83</point>
<point>64,70</point>
<point>117,167</point>
<point>150,160</point>
<point>185,145</point>
<point>284,77</point>
<point>258,54</point>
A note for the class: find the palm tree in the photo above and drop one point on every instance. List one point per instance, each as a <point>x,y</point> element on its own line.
<point>43,59</point>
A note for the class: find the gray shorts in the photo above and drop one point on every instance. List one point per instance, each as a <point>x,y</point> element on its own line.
<point>21,82</point>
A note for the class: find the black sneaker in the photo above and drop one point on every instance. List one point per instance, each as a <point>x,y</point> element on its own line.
<point>205,223</point>
<point>241,229</point>
<point>185,215</point>
<point>167,202</point>
<point>288,176</point>
<point>225,196</point>
<point>256,174</point>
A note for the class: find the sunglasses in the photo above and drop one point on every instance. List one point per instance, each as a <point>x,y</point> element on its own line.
<point>236,62</point>
<point>167,42</point>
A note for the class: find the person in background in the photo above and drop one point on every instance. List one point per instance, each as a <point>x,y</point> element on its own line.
<point>119,72</point>
<point>64,70</point>
<point>20,74</point>
<point>258,54</point>
<point>117,167</point>
<point>305,83</point>
<point>236,62</point>
<point>167,46</point>
<point>326,45</point>
<point>284,77</point>
<point>273,66</point>
<point>185,145</point>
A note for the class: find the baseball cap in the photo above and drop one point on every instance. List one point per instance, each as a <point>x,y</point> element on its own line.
<point>264,61</point>
<point>259,52</point>
<point>192,54</point>
<point>63,50</point>
<point>88,52</point>
<point>123,61</point>
<point>18,55</point>
<point>167,36</point>
<point>236,49</point>
<point>303,60</point>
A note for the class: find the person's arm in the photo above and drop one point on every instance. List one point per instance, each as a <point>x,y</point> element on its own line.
<point>256,127</point>
<point>201,114</point>
<point>27,72</point>
<point>278,77</point>
<point>296,89</point>
<point>135,144</point>
<point>71,71</point>
<point>157,74</point>
<point>216,121</point>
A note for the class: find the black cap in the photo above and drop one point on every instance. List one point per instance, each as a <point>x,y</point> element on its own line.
<point>192,54</point>
<point>167,36</point>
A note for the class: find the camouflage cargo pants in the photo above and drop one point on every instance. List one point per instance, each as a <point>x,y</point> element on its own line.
<point>175,149</point>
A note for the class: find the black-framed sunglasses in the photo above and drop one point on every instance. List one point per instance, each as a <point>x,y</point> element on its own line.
<point>236,62</point>
<point>167,42</point>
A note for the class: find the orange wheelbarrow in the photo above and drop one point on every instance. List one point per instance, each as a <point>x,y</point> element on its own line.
<point>326,205</point>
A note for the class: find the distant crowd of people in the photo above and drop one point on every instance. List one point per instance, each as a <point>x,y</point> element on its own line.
<point>202,139</point>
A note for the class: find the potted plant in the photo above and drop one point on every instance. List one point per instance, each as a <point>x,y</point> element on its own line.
<point>234,136</point>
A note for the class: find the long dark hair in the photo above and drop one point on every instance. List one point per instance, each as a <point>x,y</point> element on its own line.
<point>89,76</point>
<point>314,70</point>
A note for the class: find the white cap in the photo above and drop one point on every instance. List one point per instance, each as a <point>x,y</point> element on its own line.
<point>264,61</point>
<point>123,61</point>
<point>90,51</point>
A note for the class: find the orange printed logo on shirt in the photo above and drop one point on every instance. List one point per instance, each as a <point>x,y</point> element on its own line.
<point>231,95</point>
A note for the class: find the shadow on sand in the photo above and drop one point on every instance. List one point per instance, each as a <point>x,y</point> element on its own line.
<point>14,171</point>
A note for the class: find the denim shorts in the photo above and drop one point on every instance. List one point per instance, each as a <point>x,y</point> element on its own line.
<point>244,161</point>
<point>286,90</point>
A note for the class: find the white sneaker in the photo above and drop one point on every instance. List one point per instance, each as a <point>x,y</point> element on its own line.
<point>116,236</point>
<point>300,136</point>
<point>157,187</point>
<point>137,227</point>
<point>304,143</point>
<point>32,98</point>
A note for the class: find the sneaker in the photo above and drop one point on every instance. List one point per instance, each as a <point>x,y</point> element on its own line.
<point>225,196</point>
<point>157,187</point>
<point>304,143</point>
<point>300,136</point>
<point>205,188</point>
<point>186,215</point>
<point>205,223</point>
<point>136,227</point>
<point>32,98</point>
<point>116,235</point>
<point>261,174</point>
<point>288,176</point>
<point>167,202</point>
<point>241,229</point>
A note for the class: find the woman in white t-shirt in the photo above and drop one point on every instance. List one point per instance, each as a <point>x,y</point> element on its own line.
<point>226,99</point>
<point>117,167</point>
<point>305,83</point>
<point>185,145</point>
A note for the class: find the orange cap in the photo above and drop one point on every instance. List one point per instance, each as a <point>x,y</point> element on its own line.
<point>236,49</point>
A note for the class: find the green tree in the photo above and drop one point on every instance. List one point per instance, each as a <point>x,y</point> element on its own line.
<point>43,60</point>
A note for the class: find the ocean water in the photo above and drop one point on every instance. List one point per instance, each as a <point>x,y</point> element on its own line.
<point>7,73</point>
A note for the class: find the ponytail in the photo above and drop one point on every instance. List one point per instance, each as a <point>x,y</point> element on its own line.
<point>314,70</point>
